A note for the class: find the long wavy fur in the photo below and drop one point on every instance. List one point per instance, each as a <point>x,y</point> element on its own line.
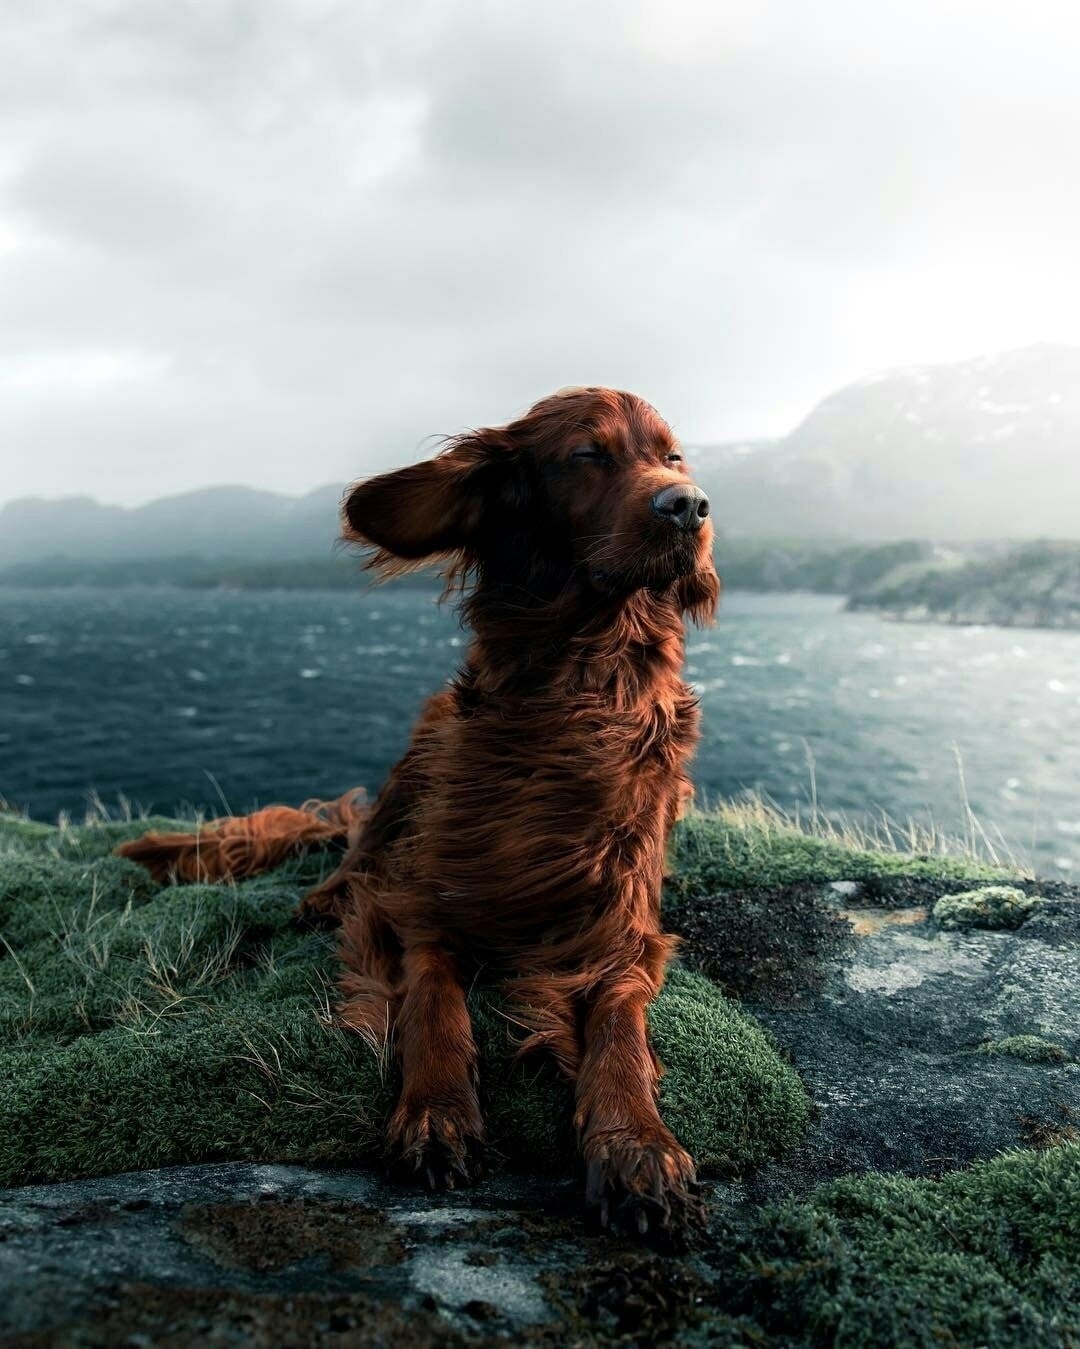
<point>522,836</point>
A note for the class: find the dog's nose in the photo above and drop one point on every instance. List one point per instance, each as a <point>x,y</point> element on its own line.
<point>683,505</point>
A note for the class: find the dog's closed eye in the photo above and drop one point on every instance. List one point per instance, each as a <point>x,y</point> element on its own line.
<point>592,454</point>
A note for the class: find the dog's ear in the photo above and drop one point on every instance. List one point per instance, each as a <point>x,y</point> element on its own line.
<point>427,510</point>
<point>416,511</point>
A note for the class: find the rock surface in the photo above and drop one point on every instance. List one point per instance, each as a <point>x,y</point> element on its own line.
<point>225,1252</point>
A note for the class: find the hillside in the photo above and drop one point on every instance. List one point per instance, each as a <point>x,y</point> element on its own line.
<point>1036,586</point>
<point>860,1049</point>
<point>240,523</point>
<point>820,567</point>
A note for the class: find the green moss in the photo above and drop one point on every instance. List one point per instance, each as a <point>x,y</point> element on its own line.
<point>712,852</point>
<point>17,831</point>
<point>987,1256</point>
<point>42,895</point>
<point>1032,1048</point>
<point>991,906</point>
<point>88,842</point>
<point>726,1092</point>
<point>148,1026</point>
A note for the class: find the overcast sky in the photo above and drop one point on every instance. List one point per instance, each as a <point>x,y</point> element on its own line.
<point>281,242</point>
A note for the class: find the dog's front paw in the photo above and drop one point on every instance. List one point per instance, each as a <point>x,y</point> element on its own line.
<point>644,1186</point>
<point>437,1147</point>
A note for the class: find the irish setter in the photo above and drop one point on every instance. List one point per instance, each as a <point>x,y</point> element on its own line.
<point>523,833</point>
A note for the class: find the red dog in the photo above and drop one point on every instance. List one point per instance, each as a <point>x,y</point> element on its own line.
<point>524,831</point>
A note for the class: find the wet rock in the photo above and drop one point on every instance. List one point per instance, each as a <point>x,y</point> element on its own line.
<point>274,1231</point>
<point>274,1254</point>
<point>269,1255</point>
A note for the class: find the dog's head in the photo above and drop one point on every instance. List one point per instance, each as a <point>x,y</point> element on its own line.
<point>590,485</point>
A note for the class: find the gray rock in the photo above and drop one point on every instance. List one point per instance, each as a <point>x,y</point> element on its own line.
<point>282,1249</point>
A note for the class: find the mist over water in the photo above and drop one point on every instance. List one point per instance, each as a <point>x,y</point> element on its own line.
<point>176,698</point>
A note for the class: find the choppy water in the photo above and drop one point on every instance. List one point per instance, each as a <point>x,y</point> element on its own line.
<point>173,697</point>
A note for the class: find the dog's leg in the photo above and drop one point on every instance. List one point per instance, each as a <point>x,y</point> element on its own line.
<point>637,1173</point>
<point>436,1134</point>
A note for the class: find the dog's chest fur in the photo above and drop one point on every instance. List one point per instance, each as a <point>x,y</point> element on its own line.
<point>550,808</point>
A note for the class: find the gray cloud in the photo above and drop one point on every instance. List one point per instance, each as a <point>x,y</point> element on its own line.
<point>283,241</point>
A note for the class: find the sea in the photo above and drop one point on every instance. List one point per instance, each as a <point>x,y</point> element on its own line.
<point>165,700</point>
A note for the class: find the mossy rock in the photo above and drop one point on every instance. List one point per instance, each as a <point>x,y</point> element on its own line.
<point>146,1027</point>
<point>1030,1048</point>
<point>990,906</point>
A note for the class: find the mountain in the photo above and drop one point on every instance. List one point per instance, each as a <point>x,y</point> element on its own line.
<point>983,449</point>
<point>233,522</point>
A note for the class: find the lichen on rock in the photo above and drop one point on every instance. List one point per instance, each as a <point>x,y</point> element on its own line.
<point>1031,1048</point>
<point>990,906</point>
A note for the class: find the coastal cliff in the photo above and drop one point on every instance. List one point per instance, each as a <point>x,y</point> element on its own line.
<point>1033,586</point>
<point>873,1054</point>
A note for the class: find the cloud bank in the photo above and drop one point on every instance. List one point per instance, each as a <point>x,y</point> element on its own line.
<point>283,241</point>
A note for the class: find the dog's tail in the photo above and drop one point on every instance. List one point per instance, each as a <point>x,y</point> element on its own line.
<point>241,845</point>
